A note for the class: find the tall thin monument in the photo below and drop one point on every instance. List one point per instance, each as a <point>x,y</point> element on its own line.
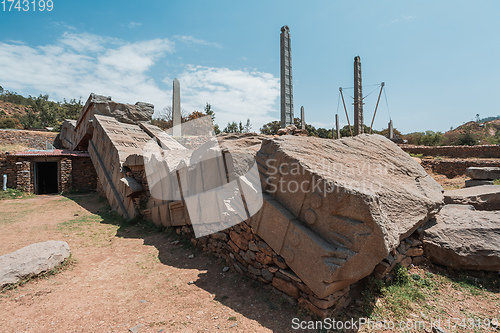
<point>286,77</point>
<point>302,118</point>
<point>358,97</point>
<point>176,108</point>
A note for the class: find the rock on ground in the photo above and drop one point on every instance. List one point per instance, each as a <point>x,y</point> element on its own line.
<point>485,197</point>
<point>32,260</point>
<point>474,182</point>
<point>462,237</point>
<point>484,173</point>
<point>335,208</point>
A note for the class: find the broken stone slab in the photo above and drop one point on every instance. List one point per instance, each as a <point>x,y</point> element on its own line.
<point>104,106</point>
<point>483,173</point>
<point>486,197</point>
<point>132,185</point>
<point>32,260</point>
<point>464,238</point>
<point>335,208</point>
<point>474,182</point>
<point>68,133</point>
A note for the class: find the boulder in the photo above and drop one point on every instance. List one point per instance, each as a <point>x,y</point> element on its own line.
<point>125,113</point>
<point>461,237</point>
<point>289,129</point>
<point>32,260</point>
<point>483,173</point>
<point>486,197</point>
<point>335,208</point>
<point>475,182</point>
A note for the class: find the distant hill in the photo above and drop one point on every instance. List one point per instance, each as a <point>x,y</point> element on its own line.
<point>472,133</point>
<point>12,110</point>
<point>17,111</point>
<point>487,119</point>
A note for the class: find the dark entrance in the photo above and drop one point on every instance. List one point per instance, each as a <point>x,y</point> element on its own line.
<point>46,177</point>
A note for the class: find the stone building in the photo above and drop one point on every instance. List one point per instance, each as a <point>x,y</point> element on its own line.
<point>49,171</point>
<point>41,171</point>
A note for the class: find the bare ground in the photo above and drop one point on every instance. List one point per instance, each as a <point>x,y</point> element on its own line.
<point>125,276</point>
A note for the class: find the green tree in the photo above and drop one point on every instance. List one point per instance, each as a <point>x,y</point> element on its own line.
<point>232,128</point>
<point>427,138</point>
<point>248,126</point>
<point>9,122</point>
<point>211,113</point>
<point>467,138</point>
<point>271,128</point>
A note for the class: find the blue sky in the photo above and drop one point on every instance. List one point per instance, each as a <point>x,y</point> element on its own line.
<point>439,59</point>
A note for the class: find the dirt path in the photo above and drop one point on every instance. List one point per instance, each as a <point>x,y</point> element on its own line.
<point>125,278</point>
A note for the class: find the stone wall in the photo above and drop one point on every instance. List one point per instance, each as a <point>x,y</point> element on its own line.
<point>8,167</point>
<point>455,167</point>
<point>84,177</point>
<point>248,254</point>
<point>76,173</point>
<point>27,139</point>
<point>483,151</point>
<point>24,176</point>
<point>65,170</point>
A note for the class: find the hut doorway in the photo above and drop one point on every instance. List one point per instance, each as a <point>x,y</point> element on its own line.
<point>46,180</point>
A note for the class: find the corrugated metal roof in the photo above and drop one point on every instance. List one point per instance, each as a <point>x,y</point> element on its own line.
<point>55,152</point>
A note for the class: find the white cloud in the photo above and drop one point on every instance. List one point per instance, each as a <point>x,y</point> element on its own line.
<point>78,64</point>
<point>133,25</point>
<point>403,18</point>
<point>235,95</point>
<point>85,42</point>
<point>191,40</point>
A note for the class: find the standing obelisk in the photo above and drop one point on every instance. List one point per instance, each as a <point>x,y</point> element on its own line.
<point>302,118</point>
<point>286,77</point>
<point>176,108</point>
<point>358,97</point>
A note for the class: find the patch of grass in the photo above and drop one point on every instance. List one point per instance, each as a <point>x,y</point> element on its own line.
<point>496,182</point>
<point>416,155</point>
<point>470,285</point>
<point>15,194</point>
<point>65,265</point>
<point>398,297</point>
<point>22,209</point>
<point>232,318</point>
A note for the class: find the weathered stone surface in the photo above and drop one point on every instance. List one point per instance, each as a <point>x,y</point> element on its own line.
<point>132,185</point>
<point>32,260</point>
<point>336,208</point>
<point>462,237</point>
<point>485,173</point>
<point>67,135</point>
<point>125,113</point>
<point>474,182</point>
<point>415,252</point>
<point>110,145</point>
<point>238,240</point>
<point>486,197</point>
<point>286,287</point>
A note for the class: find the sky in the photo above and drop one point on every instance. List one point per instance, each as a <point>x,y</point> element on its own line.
<point>438,59</point>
